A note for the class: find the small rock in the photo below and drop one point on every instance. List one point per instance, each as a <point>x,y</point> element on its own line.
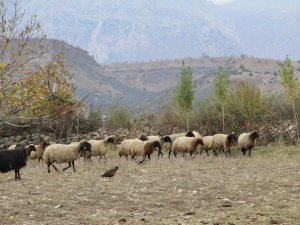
<point>57,206</point>
<point>272,221</point>
<point>122,220</point>
<point>189,213</point>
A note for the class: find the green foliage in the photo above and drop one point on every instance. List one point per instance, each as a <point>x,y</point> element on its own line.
<point>92,122</point>
<point>288,79</point>
<point>184,92</point>
<point>120,117</point>
<point>222,85</point>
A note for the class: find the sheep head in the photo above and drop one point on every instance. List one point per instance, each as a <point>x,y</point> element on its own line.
<point>143,137</point>
<point>85,146</point>
<point>254,135</point>
<point>232,137</point>
<point>167,139</point>
<point>190,134</point>
<point>156,145</point>
<point>29,149</point>
<point>110,139</point>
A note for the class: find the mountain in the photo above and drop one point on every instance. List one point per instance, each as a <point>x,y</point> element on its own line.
<point>268,29</point>
<point>147,85</point>
<point>138,30</point>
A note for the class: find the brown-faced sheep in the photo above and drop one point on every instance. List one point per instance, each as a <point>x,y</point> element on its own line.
<point>100,147</point>
<point>40,149</point>
<point>247,141</point>
<point>222,142</point>
<point>186,145</point>
<point>62,153</point>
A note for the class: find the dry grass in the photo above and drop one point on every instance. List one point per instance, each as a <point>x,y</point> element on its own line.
<point>262,189</point>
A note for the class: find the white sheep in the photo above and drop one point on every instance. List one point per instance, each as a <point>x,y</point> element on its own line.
<point>222,142</point>
<point>100,147</point>
<point>125,147</point>
<point>62,153</point>
<point>207,144</point>
<point>186,145</point>
<point>247,141</point>
<point>167,146</point>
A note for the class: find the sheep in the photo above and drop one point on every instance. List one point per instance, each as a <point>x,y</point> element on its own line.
<point>207,140</point>
<point>158,138</point>
<point>186,145</point>
<point>100,147</point>
<point>167,146</point>
<point>143,148</point>
<point>15,159</point>
<point>14,146</point>
<point>247,141</point>
<point>38,154</point>
<point>124,147</point>
<point>136,147</point>
<point>61,153</point>
<point>222,142</point>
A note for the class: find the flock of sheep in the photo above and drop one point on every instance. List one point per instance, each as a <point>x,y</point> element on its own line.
<point>191,142</point>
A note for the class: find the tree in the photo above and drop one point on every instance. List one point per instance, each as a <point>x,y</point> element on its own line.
<point>290,85</point>
<point>222,90</point>
<point>21,44</point>
<point>184,92</point>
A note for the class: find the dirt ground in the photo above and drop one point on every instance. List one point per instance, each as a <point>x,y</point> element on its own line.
<point>262,189</point>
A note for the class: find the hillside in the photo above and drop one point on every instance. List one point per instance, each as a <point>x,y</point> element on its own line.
<point>144,86</point>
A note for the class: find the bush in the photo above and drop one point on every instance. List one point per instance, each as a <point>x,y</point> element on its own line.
<point>91,122</point>
<point>120,117</point>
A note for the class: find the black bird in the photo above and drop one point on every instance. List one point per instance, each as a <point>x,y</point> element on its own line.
<point>111,172</point>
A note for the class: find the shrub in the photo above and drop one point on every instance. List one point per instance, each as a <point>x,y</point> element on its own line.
<point>120,117</point>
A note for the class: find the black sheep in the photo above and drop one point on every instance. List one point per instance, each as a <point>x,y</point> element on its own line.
<point>15,159</point>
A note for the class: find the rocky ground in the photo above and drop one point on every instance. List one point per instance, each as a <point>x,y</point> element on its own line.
<point>262,189</point>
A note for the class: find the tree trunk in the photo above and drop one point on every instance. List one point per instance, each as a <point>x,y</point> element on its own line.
<point>187,121</point>
<point>296,120</point>
<point>223,117</point>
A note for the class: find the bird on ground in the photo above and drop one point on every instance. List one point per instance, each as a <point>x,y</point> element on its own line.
<point>111,172</point>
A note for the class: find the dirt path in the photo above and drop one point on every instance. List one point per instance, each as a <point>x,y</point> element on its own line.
<point>205,190</point>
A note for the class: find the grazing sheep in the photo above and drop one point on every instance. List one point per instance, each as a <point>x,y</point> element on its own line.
<point>186,145</point>
<point>100,147</point>
<point>222,142</point>
<point>207,140</point>
<point>61,153</point>
<point>40,149</point>
<point>247,141</point>
<point>158,138</point>
<point>15,159</point>
<point>144,148</point>
<point>136,147</point>
<point>167,146</point>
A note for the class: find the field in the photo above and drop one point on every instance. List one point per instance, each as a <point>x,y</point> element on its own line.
<point>262,189</point>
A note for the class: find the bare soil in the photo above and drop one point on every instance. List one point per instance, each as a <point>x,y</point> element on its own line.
<point>262,189</point>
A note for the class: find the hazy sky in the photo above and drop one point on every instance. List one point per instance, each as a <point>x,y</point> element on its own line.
<point>219,2</point>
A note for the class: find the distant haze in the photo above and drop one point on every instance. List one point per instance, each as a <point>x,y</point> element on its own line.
<point>143,30</point>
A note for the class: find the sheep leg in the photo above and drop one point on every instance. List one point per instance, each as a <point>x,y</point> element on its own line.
<point>215,152</point>
<point>160,153</point>
<point>17,174</point>
<point>249,153</point>
<point>244,151</point>
<point>143,160</point>
<point>69,165</point>
<point>170,152</point>
<point>206,150</point>
<point>49,163</point>
<point>73,165</point>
